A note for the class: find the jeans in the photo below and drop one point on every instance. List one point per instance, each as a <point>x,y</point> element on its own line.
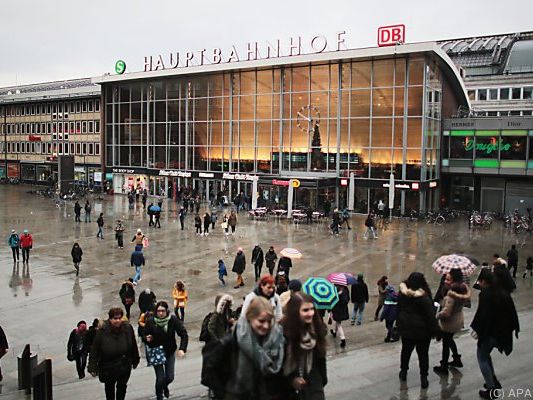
<point>121,385</point>
<point>77,266</point>
<point>164,375</point>
<point>206,229</point>
<point>100,233</point>
<point>371,230</point>
<point>448,344</point>
<point>81,363</point>
<point>221,279</point>
<point>137,275</point>
<point>77,218</point>
<point>484,348</point>
<point>25,254</point>
<point>120,239</point>
<point>257,270</point>
<point>87,217</point>
<point>180,313</point>
<point>15,251</point>
<point>358,307</point>
<point>422,349</point>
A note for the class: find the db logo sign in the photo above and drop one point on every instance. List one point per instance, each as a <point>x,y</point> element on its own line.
<point>391,35</point>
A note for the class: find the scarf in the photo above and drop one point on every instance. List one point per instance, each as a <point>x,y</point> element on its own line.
<point>305,362</point>
<point>255,358</point>
<point>162,322</point>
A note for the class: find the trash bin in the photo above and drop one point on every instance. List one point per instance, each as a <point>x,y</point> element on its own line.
<point>26,363</point>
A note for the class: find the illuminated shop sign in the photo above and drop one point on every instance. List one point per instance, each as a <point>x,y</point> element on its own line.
<point>398,186</point>
<point>238,177</point>
<point>488,148</point>
<point>206,175</point>
<point>293,46</point>
<point>181,174</point>
<point>279,182</point>
<point>391,35</point>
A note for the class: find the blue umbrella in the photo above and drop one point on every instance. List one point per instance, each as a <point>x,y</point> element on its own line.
<point>323,292</point>
<point>155,208</point>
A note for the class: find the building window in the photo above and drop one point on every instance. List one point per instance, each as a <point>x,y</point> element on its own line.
<point>84,106</point>
<point>84,127</point>
<point>516,93</point>
<point>97,105</point>
<point>78,127</point>
<point>97,149</point>
<point>78,107</point>
<point>96,126</point>
<point>514,112</point>
<point>504,94</point>
<point>482,94</point>
<point>72,148</point>
<point>72,107</point>
<point>528,93</point>
<point>91,149</point>
<point>71,127</point>
<point>78,148</point>
<point>90,106</point>
<point>513,147</point>
<point>472,94</point>
<point>91,127</point>
<point>493,94</point>
<point>461,147</point>
<point>84,149</point>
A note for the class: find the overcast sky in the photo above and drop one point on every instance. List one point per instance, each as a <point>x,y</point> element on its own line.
<point>43,41</point>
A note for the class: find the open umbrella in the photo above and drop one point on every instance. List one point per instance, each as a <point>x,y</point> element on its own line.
<point>444,264</point>
<point>155,208</point>
<point>342,278</point>
<point>323,292</point>
<point>290,253</point>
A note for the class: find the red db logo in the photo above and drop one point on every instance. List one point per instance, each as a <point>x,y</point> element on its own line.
<point>391,35</point>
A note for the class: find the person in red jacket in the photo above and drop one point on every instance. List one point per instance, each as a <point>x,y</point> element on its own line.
<point>26,243</point>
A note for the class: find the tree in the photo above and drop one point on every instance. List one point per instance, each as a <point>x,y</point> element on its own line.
<point>317,157</point>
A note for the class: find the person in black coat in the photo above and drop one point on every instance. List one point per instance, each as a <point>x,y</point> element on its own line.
<point>239,265</point>
<point>340,313</point>
<point>270,258</point>
<point>493,325</point>
<point>77,212</point>
<point>77,349</point>
<point>161,330</point>
<point>285,265</point>
<point>207,223</point>
<point>3,349</point>
<point>416,323</point>
<point>512,259</point>
<point>127,295</point>
<point>147,300</point>
<point>359,297</point>
<point>257,260</point>
<point>76,254</point>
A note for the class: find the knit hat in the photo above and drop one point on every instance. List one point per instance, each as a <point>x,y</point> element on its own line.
<point>139,230</point>
<point>295,285</point>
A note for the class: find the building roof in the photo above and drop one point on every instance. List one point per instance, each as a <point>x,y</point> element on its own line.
<point>48,90</point>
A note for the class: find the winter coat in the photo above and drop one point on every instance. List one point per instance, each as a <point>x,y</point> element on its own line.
<point>180,297</point>
<point>146,301</point>
<point>77,344</point>
<point>512,257</point>
<point>87,208</point>
<point>340,312</point>
<point>232,220</point>
<point>207,221</point>
<point>218,325</point>
<point>127,291</point>
<point>26,241</point>
<point>77,209</point>
<point>76,253</point>
<point>167,339</point>
<point>496,317</point>
<point>137,258</point>
<point>100,221</point>
<point>112,349</point>
<point>416,314</point>
<point>138,239</point>
<point>359,292</point>
<point>381,294</point>
<point>197,221</point>
<point>14,240</point>
<point>239,265</point>
<point>257,256</point>
<point>451,318</point>
<point>270,258</point>
<point>274,300</point>
<point>285,264</point>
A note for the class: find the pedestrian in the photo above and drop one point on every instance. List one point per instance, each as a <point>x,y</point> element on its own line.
<point>340,313</point>
<point>213,219</point>
<point>14,244</point>
<point>119,234</point>
<point>4,346</point>
<point>270,259</point>
<point>294,286</point>
<point>451,318</point>
<point>232,221</point>
<point>281,283</point>
<point>197,204</point>
<point>198,224</point>
<point>222,272</point>
<point>382,285</point>
<point>309,215</point>
<point>88,210</point>
<point>147,300</point>
<point>257,260</point>
<point>180,296</point>
<point>144,198</point>
<point>131,199</point>
<point>304,366</point>
<point>512,259</point>
<point>244,364</point>
<point>157,216</point>
<point>143,318</point>
<point>76,254</point>
<point>113,355</point>
<point>265,288</point>
<point>150,213</point>
<point>77,349</point>
<point>77,211</point>
<point>529,267</point>
<point>26,244</point>
<point>137,260</point>
<point>182,217</point>
<point>390,314</point>
<point>161,331</point>
<point>493,326</point>
<point>327,207</point>
<point>127,295</point>
<point>502,274</point>
<point>346,218</point>
<point>359,297</point>
<point>335,222</point>
<point>224,224</point>
<point>370,223</point>
<point>221,321</point>
<point>416,324</point>
<point>239,265</point>
<point>100,223</point>
<point>91,333</point>
<point>207,223</point>
<point>285,265</point>
<point>139,238</point>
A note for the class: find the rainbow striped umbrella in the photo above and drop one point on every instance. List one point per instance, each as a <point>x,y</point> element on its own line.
<point>290,253</point>
<point>323,292</point>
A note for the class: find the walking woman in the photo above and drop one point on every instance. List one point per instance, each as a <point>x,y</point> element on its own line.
<point>232,222</point>
<point>113,354</point>
<point>340,313</point>
<point>304,368</point>
<point>77,349</point>
<point>267,289</point>
<point>76,254</point>
<point>243,365</point>
<point>451,318</point>
<point>382,292</point>
<point>180,295</point>
<point>416,324</point>
<point>119,234</point>
<point>160,331</point>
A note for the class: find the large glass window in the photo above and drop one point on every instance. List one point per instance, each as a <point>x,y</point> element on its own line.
<point>513,147</point>
<point>461,147</point>
<point>487,147</point>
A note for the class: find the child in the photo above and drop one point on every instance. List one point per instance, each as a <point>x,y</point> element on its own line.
<point>390,313</point>
<point>529,267</point>
<point>180,296</point>
<point>222,272</point>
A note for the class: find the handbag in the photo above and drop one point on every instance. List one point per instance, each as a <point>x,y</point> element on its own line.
<point>157,356</point>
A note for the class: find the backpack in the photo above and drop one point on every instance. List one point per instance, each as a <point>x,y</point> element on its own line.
<point>204,332</point>
<point>368,222</point>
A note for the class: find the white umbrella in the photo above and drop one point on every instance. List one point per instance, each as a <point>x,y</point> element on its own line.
<point>291,253</point>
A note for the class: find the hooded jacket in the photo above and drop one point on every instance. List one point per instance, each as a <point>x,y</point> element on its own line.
<point>137,258</point>
<point>239,264</point>
<point>26,241</point>
<point>451,317</point>
<point>218,325</point>
<point>416,314</point>
<point>257,256</point>
<point>274,300</point>
<point>76,254</point>
<point>14,240</point>
<point>270,258</point>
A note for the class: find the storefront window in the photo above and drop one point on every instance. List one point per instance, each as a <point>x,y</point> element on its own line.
<point>513,147</point>
<point>487,147</point>
<point>28,172</point>
<point>461,147</point>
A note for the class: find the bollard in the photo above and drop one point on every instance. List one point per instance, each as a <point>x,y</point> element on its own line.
<point>26,362</point>
<point>42,381</point>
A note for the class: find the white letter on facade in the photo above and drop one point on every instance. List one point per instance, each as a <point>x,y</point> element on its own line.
<point>147,64</point>
<point>297,47</point>
<point>159,64</point>
<point>174,61</point>
<point>202,56</point>
<point>274,49</point>
<point>217,56</point>
<point>317,46</point>
<point>188,58</point>
<point>340,40</point>
<point>233,56</point>
<point>252,52</point>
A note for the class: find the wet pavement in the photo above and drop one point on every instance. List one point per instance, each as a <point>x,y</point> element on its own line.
<point>41,303</point>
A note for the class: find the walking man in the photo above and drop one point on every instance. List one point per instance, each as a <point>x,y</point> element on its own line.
<point>359,294</point>
<point>26,243</point>
<point>119,234</point>
<point>88,210</point>
<point>182,216</point>
<point>257,260</point>
<point>100,222</point>
<point>512,259</point>
<point>14,243</point>
<point>137,261</point>
<point>239,265</point>
<point>77,211</point>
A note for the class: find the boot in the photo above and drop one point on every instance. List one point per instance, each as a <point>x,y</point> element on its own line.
<point>343,343</point>
<point>441,369</point>
<point>424,382</point>
<point>403,375</point>
<point>456,363</point>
